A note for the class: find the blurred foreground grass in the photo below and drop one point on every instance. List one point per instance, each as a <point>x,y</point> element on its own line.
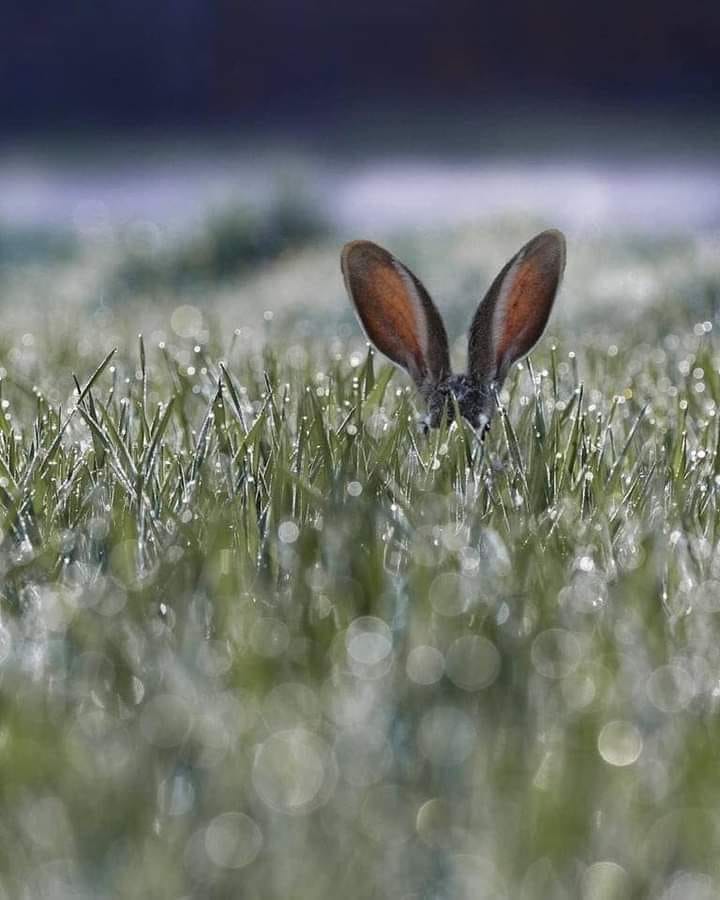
<point>261,637</point>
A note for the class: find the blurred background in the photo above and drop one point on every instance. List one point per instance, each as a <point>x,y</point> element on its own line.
<point>222,644</point>
<point>149,151</point>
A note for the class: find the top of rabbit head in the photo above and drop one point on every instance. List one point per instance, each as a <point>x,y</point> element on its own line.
<point>404,324</point>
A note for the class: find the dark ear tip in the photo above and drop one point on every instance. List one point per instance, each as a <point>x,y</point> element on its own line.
<point>552,244</point>
<point>552,238</point>
<point>351,246</point>
<point>360,252</point>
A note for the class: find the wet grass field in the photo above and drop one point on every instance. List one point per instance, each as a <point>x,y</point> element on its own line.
<point>262,637</point>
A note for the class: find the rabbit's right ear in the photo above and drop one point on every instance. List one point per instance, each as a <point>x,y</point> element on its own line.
<point>396,312</point>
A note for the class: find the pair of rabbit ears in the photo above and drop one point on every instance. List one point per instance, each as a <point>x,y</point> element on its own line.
<point>403,323</point>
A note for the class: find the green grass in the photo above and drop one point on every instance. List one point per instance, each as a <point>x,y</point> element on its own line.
<point>261,637</point>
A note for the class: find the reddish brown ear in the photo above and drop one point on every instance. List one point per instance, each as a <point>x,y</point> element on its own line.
<point>396,312</point>
<point>513,315</point>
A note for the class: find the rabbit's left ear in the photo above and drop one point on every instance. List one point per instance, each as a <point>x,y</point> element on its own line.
<point>397,313</point>
<point>513,315</point>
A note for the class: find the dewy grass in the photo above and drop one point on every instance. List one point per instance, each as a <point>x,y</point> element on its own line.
<point>262,637</point>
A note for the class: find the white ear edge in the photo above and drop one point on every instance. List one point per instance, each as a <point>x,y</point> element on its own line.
<point>511,355</point>
<point>419,312</point>
<point>499,318</point>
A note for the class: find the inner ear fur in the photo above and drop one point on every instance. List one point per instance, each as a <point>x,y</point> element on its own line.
<point>515,311</point>
<point>396,312</point>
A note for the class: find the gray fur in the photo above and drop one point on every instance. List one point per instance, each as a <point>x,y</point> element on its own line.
<point>474,398</point>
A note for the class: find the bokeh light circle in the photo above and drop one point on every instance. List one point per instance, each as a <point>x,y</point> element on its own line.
<point>620,743</point>
<point>472,662</point>
<point>294,772</point>
<point>425,665</point>
<point>233,840</point>
<point>555,653</point>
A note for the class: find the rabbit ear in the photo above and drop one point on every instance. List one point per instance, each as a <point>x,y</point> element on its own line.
<point>396,312</point>
<point>513,315</point>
